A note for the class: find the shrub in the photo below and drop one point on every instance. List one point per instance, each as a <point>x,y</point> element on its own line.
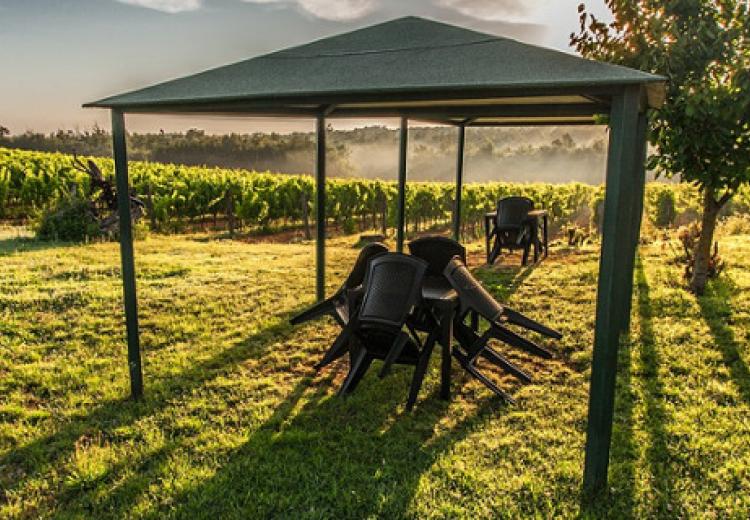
<point>736,225</point>
<point>71,219</point>
<point>665,210</point>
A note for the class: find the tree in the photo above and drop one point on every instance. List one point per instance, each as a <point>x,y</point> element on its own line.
<point>4,131</point>
<point>702,133</point>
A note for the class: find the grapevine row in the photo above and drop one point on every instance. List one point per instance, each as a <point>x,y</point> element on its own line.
<point>177,195</point>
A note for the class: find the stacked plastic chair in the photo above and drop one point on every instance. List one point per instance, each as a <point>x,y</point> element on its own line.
<point>340,305</point>
<point>473,345</point>
<point>391,290</point>
<point>437,251</point>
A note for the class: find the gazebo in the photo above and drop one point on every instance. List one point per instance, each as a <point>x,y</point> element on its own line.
<point>418,69</point>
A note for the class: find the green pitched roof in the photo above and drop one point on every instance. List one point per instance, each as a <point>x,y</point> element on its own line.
<point>406,55</point>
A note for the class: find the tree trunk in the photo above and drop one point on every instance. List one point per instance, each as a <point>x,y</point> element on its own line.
<point>702,255</point>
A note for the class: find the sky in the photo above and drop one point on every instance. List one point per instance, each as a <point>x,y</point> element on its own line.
<point>58,54</point>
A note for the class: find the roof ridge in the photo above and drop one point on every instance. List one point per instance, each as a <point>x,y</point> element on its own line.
<point>289,56</point>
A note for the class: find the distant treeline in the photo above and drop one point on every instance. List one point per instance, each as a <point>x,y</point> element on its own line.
<point>542,154</point>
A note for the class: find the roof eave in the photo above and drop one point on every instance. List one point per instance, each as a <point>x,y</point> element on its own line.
<point>654,86</point>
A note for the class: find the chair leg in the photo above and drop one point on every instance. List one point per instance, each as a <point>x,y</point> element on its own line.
<point>360,374</point>
<point>489,384</point>
<point>519,319</point>
<point>513,339</point>
<point>338,349</point>
<point>359,360</point>
<point>471,369</point>
<point>492,356</point>
<point>495,251</point>
<point>475,321</point>
<point>393,354</point>
<point>419,372</point>
<point>326,307</point>
<point>525,258</point>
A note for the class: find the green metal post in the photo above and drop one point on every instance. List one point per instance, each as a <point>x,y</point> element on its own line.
<point>614,269</point>
<point>401,216</point>
<point>639,179</point>
<point>126,254</point>
<point>320,207</point>
<point>459,182</point>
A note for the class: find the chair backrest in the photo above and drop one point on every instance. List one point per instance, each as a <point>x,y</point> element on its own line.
<point>357,275</point>
<point>437,251</point>
<point>392,286</point>
<point>512,211</point>
<point>471,294</point>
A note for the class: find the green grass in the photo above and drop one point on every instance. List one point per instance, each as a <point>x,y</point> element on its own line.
<point>237,424</point>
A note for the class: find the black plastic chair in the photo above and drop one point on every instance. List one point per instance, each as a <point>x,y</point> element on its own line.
<point>437,251</point>
<point>474,298</point>
<point>340,305</point>
<point>392,288</point>
<point>514,229</point>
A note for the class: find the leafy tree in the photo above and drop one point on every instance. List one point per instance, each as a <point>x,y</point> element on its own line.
<point>4,131</point>
<point>702,133</point>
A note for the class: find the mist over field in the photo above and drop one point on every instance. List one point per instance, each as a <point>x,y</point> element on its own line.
<point>544,154</point>
<point>523,154</point>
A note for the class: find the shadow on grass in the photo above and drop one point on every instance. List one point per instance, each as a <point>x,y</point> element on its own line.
<point>658,455</point>
<point>329,458</point>
<point>619,500</point>
<point>716,309</point>
<point>333,458</point>
<point>129,479</point>
<point>504,282</point>
<point>624,451</point>
<point>48,452</point>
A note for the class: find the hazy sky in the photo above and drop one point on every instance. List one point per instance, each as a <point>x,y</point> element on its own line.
<point>58,54</point>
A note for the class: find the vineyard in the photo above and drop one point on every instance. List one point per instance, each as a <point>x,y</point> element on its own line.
<point>179,196</point>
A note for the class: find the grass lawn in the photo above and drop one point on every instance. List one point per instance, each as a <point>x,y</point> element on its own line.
<point>237,424</point>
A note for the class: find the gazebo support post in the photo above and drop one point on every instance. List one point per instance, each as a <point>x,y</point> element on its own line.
<point>320,207</point>
<point>401,207</point>
<point>637,212</point>
<point>459,182</point>
<point>615,268</point>
<point>126,253</point>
